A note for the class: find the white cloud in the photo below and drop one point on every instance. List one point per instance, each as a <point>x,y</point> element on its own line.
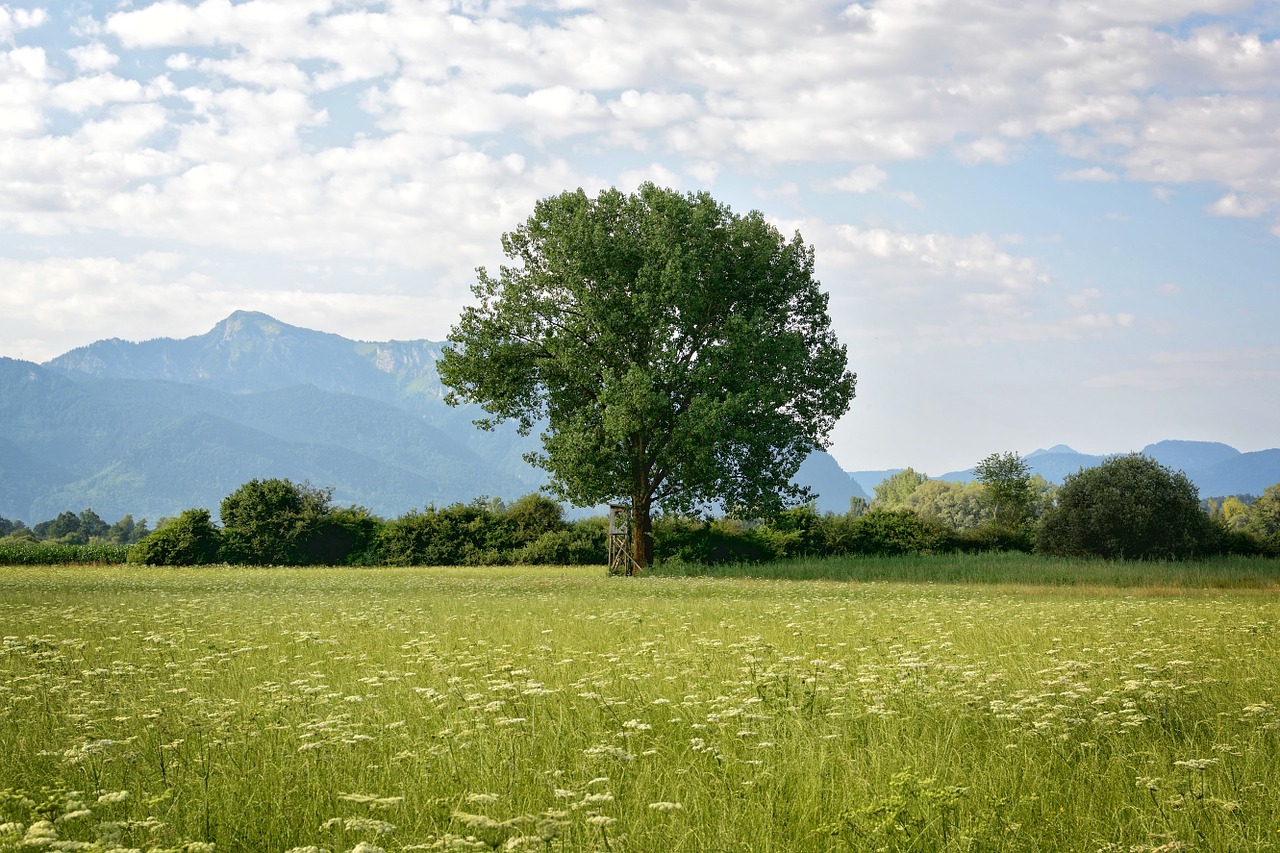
<point>1092,173</point>
<point>93,57</point>
<point>863,179</point>
<point>1233,205</point>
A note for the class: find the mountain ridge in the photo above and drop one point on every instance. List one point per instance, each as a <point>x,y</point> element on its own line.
<point>154,427</point>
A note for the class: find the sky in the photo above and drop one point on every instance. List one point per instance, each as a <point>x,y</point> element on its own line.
<point>1038,222</point>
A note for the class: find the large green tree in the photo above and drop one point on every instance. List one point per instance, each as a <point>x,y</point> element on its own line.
<point>1129,507</point>
<point>674,353</point>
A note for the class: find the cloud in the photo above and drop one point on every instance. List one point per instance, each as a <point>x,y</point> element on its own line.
<point>1187,370</point>
<point>1092,173</point>
<point>1233,205</point>
<point>863,179</point>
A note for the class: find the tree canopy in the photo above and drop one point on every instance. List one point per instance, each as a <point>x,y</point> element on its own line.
<point>1129,507</point>
<point>1007,478</point>
<point>673,353</point>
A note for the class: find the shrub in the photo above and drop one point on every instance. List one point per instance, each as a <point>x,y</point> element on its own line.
<point>191,539</point>
<point>270,522</point>
<point>1129,507</point>
<point>889,532</point>
<point>459,534</point>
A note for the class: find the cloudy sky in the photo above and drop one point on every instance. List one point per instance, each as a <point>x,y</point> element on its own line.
<point>1039,221</point>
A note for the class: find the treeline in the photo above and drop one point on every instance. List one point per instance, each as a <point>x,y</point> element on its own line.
<point>1130,507</point>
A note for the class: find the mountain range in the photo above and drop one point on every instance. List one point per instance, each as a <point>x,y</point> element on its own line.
<point>156,427</point>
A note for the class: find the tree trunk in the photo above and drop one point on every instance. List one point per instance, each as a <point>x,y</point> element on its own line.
<point>641,536</point>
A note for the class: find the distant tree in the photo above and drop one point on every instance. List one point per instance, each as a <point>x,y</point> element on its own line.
<point>1009,493</point>
<point>957,505</point>
<point>126,531</point>
<point>1233,513</point>
<point>858,506</point>
<point>92,526</point>
<point>191,539</point>
<point>678,354</point>
<point>7,526</point>
<point>64,528</point>
<point>1264,515</point>
<point>1129,507</point>
<point>894,491</point>
<point>273,522</point>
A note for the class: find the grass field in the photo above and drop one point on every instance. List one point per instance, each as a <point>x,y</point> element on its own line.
<point>557,709</point>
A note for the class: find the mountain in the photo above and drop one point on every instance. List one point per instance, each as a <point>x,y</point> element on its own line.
<point>156,427</point>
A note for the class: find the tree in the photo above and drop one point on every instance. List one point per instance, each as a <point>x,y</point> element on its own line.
<point>892,492</point>
<point>957,505</point>
<point>65,527</point>
<point>191,539</point>
<point>273,522</point>
<point>1007,479</point>
<point>1129,507</point>
<point>92,526</point>
<point>673,353</point>
<point>1264,516</point>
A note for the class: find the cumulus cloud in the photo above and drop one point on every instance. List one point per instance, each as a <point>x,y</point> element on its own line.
<point>412,134</point>
<point>863,179</point>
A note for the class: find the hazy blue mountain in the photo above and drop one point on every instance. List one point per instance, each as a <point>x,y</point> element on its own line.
<point>1243,474</point>
<point>250,351</point>
<point>153,428</point>
<point>833,485</point>
<point>1216,469</point>
<point>1191,455</point>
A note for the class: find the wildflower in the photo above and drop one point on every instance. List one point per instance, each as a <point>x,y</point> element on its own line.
<point>601,820</point>
<point>1200,764</point>
<point>666,807</point>
<point>113,797</point>
<point>40,834</point>
<point>366,847</point>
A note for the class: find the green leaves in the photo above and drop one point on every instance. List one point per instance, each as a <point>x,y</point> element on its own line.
<point>678,354</point>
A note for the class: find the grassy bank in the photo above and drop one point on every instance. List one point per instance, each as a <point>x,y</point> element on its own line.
<point>557,709</point>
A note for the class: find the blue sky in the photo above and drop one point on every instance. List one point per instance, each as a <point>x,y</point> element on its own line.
<point>1038,222</point>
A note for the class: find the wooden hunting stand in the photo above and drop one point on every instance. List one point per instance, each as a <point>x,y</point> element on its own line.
<point>622,559</point>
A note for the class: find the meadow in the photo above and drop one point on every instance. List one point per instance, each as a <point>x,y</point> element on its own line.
<point>549,709</point>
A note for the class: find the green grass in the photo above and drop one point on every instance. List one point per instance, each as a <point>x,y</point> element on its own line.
<point>557,709</point>
<point>1005,569</point>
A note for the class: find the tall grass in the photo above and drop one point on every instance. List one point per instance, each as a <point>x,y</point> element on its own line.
<point>1004,568</point>
<point>557,709</point>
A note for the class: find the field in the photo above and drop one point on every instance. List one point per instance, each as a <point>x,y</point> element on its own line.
<point>557,709</point>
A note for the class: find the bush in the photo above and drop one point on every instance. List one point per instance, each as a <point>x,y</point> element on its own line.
<point>725,540</point>
<point>581,544</point>
<point>890,532</point>
<point>1129,507</point>
<point>273,522</point>
<point>191,539</point>
<point>459,534</point>
<point>994,536</point>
